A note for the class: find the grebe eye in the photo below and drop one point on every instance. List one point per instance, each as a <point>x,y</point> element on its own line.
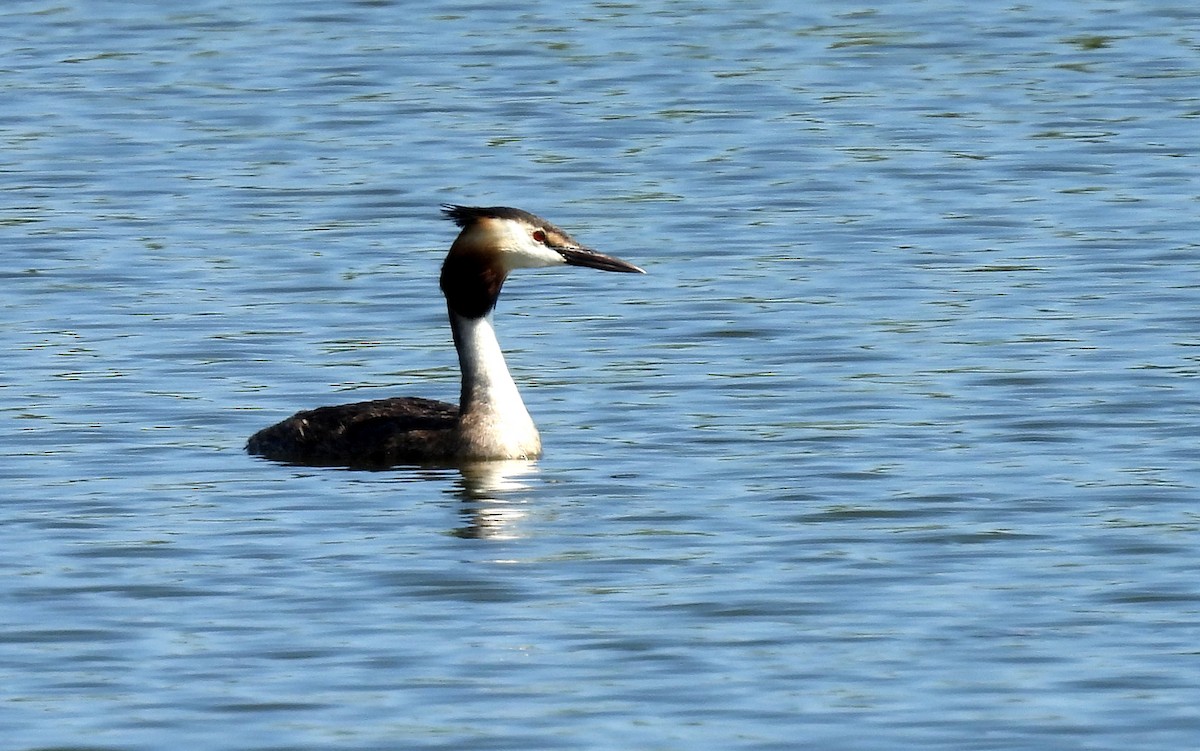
<point>540,236</point>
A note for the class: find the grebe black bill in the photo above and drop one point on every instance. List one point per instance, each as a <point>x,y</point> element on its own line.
<point>491,421</point>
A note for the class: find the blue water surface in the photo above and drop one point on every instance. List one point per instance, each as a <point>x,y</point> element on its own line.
<point>894,447</point>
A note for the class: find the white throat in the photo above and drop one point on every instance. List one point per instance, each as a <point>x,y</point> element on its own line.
<point>493,421</point>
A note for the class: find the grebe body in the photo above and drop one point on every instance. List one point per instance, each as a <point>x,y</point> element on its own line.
<point>491,421</point>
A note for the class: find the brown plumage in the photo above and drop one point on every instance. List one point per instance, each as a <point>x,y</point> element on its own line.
<point>367,435</point>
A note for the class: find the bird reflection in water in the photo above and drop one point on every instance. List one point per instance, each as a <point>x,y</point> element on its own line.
<point>494,498</point>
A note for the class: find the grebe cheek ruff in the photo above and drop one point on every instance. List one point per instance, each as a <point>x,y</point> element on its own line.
<point>491,421</point>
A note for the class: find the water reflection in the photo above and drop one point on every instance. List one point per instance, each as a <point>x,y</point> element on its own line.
<point>493,498</point>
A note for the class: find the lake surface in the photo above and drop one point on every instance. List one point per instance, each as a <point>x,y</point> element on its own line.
<point>894,447</point>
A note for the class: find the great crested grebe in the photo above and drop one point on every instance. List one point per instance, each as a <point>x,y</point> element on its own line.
<point>491,421</point>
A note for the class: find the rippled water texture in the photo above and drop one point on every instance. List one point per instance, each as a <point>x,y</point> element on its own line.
<point>894,447</point>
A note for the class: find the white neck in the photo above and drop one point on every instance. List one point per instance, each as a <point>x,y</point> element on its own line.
<point>493,421</point>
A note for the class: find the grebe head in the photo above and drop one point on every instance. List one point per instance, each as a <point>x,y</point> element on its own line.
<point>496,240</point>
